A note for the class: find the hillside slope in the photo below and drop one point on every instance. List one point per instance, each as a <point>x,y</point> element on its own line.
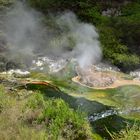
<point>117,22</point>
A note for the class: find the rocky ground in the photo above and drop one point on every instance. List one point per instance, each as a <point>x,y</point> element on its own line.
<point>96,76</point>
<point>102,77</point>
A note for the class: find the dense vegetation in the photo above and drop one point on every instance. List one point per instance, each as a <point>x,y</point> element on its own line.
<point>38,118</point>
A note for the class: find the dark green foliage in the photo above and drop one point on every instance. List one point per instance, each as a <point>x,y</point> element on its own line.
<point>5,3</point>
<point>129,26</point>
<point>119,35</point>
<point>117,53</point>
<point>126,62</point>
<point>53,5</point>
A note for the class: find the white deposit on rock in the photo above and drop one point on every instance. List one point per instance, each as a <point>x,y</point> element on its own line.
<point>135,74</point>
<point>105,67</point>
<point>53,65</point>
<point>18,73</point>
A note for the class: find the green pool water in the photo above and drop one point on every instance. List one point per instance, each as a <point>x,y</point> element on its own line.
<point>124,99</point>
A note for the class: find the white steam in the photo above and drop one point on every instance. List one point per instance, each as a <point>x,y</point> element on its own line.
<point>26,34</point>
<point>87,47</point>
<point>21,28</point>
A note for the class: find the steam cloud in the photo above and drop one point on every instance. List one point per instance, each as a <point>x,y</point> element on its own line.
<point>87,47</point>
<point>26,34</point>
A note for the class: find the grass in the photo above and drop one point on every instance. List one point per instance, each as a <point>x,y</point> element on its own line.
<point>11,122</point>
<point>112,97</point>
<point>124,97</point>
<point>65,84</point>
<point>38,118</point>
<point>58,118</point>
<point>130,133</point>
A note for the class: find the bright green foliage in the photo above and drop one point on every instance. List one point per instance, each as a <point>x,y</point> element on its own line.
<point>59,119</point>
<point>38,118</point>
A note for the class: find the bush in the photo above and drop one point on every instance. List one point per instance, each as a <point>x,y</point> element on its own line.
<point>126,62</point>
<point>128,24</point>
<point>59,119</point>
<point>39,118</point>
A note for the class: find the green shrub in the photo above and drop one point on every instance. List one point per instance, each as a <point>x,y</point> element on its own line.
<point>36,117</point>
<point>36,101</point>
<point>126,62</point>
<point>59,119</point>
<point>128,24</point>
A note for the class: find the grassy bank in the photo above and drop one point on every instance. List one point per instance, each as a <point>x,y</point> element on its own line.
<point>34,117</point>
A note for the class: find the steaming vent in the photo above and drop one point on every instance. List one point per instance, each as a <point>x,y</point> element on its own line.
<point>95,77</point>
<point>27,36</point>
<point>70,39</point>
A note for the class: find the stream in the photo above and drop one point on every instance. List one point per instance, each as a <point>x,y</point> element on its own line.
<point>110,109</point>
<point>101,117</point>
